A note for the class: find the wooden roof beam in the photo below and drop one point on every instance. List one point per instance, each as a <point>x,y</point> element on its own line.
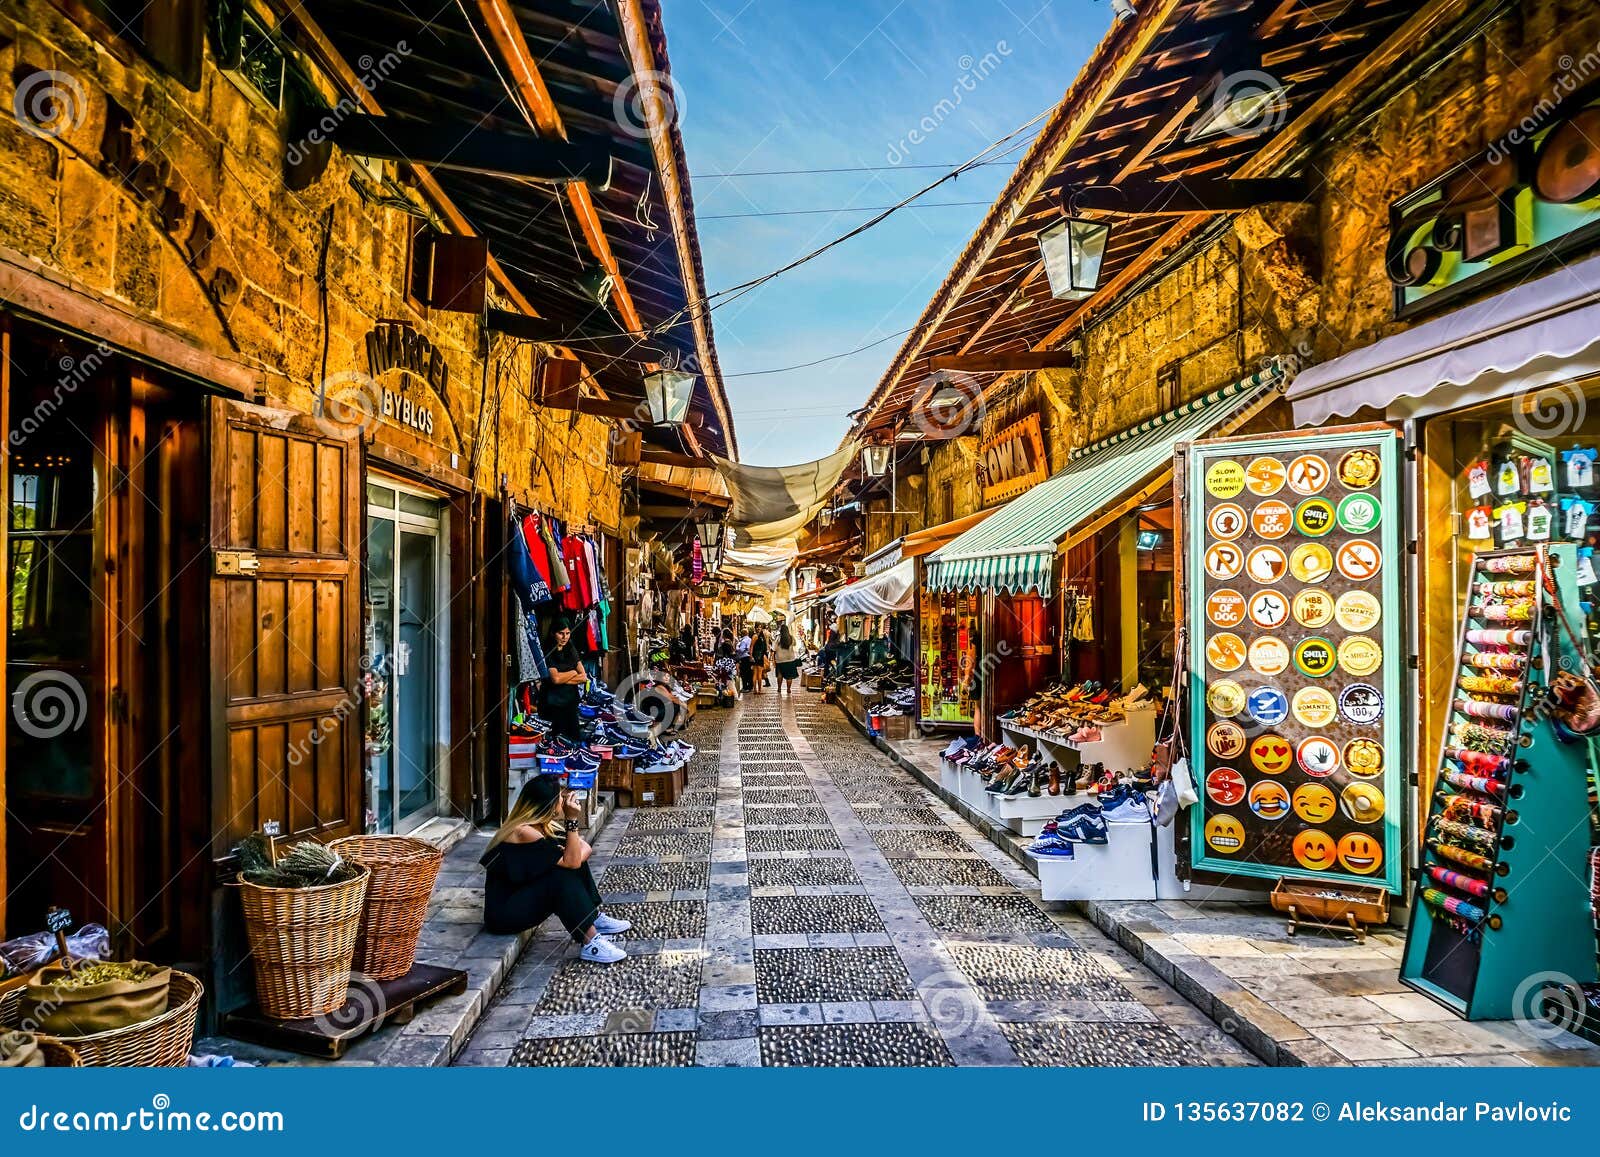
<point>519,61</point>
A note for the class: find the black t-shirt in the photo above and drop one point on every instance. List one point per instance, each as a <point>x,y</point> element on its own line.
<point>511,900</point>
<point>562,659</point>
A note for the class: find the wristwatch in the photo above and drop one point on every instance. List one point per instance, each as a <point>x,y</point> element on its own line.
<point>572,825</point>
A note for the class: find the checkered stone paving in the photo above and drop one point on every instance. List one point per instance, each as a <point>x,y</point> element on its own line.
<point>911,817</point>
<point>620,1050</point>
<point>771,927</point>
<point>654,877</point>
<point>1007,972</point>
<point>662,920</point>
<point>792,840</point>
<point>802,796</point>
<point>789,915</point>
<point>1083,1045</point>
<point>853,1046</point>
<point>685,844</point>
<point>786,817</point>
<point>810,975</point>
<point>661,819</point>
<point>922,840</point>
<point>815,872</point>
<point>983,915</point>
<point>666,980</point>
<point>947,872</point>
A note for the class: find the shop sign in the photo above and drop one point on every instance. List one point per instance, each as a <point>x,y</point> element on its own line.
<point>1533,195</point>
<point>394,347</point>
<point>1311,670</point>
<point>1012,461</point>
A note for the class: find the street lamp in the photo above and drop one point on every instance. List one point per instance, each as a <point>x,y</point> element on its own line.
<point>710,530</point>
<point>668,393</point>
<point>1073,250</point>
<point>711,555</point>
<point>875,459</point>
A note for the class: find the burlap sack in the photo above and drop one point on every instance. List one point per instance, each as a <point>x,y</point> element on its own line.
<point>20,1050</point>
<point>82,1010</point>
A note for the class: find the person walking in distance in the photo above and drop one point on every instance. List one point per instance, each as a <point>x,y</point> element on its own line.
<point>788,659</point>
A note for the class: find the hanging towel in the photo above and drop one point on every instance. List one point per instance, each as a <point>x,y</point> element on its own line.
<point>526,581</point>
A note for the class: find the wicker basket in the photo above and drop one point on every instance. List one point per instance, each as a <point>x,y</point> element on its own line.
<point>302,941</point>
<point>403,875</point>
<point>162,1042</point>
<point>58,1054</point>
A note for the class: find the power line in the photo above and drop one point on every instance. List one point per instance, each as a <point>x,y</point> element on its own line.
<point>819,361</point>
<point>840,209</point>
<point>840,169</point>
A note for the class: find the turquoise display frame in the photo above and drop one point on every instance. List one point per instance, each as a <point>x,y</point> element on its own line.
<point>1332,443</point>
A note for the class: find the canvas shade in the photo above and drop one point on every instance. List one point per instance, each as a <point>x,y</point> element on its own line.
<point>1013,551</point>
<point>883,594</point>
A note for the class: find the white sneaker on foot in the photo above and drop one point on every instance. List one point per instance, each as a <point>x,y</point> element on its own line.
<point>602,951</point>
<point>610,925</point>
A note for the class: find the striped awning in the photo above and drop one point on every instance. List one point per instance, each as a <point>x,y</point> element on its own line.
<point>1014,550</point>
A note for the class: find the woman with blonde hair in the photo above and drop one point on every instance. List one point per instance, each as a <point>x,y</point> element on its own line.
<point>538,866</point>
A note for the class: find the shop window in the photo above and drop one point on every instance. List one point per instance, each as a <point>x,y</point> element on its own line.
<point>261,61</point>
<point>1167,378</point>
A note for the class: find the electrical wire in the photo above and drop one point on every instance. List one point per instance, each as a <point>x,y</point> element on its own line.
<point>840,209</point>
<point>819,361</point>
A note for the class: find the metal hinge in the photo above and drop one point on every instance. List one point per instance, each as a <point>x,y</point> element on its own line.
<point>235,562</point>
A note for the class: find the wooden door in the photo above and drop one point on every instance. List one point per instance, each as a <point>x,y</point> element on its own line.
<point>286,697</point>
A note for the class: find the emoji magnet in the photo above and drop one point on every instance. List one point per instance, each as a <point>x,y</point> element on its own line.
<point>1315,850</point>
<point>1269,799</point>
<point>1225,835</point>
<point>1271,754</point>
<point>1360,853</point>
<point>1314,803</point>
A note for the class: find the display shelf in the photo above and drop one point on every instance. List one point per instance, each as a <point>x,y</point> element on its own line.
<point>1122,868</point>
<point>1123,746</point>
<point>1502,895</point>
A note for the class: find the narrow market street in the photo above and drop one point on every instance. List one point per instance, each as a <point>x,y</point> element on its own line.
<point>808,903</point>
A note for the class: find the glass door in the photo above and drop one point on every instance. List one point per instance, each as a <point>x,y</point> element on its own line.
<point>408,683</point>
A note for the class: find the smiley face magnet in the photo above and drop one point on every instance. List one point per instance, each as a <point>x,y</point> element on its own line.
<point>1225,835</point>
<point>1315,850</point>
<point>1360,853</point>
<point>1314,803</point>
<point>1269,799</point>
<point>1271,754</point>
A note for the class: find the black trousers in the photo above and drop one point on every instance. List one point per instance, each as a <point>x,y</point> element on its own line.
<point>563,718</point>
<point>568,894</point>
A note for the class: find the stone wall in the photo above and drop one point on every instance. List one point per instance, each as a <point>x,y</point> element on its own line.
<point>208,241</point>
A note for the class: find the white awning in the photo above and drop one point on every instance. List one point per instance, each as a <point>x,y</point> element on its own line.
<point>1520,342</point>
<point>882,594</point>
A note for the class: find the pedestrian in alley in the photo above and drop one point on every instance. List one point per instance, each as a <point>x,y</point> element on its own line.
<point>788,658</point>
<point>537,865</point>
<point>747,668</point>
<point>759,651</point>
<point>558,695</point>
<point>726,673</point>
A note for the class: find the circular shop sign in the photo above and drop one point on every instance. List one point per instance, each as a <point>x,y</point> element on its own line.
<point>1269,609</point>
<point>1362,704</point>
<point>1224,560</point>
<point>1311,562</point>
<point>1266,564</point>
<point>1360,514</point>
<point>1225,739</point>
<point>1227,521</point>
<point>1364,757</point>
<point>1359,560</point>
<point>1318,757</point>
<point>1225,608</point>
<point>1315,657</point>
<point>1225,651</point>
<point>1360,656</point>
<point>1315,707</point>
<point>1358,610</point>
<point>1314,517</point>
<point>1359,469</point>
<point>1225,479</point>
<point>1313,607</point>
<point>1272,519</point>
<point>1268,706</point>
<point>1269,655</point>
<point>1225,698</point>
<point>1308,474</point>
<point>1264,477</point>
<point>1225,786</point>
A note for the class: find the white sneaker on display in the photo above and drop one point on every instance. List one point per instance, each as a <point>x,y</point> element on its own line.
<point>602,951</point>
<point>610,926</point>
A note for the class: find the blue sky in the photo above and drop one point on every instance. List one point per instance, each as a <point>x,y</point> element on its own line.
<point>809,84</point>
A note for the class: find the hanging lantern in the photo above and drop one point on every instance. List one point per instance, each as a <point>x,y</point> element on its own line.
<point>808,577</point>
<point>711,553</point>
<point>875,459</point>
<point>1074,249</point>
<point>710,530</point>
<point>668,393</point>
<point>825,518</point>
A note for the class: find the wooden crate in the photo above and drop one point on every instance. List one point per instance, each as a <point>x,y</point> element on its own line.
<point>812,680</point>
<point>615,775</point>
<point>896,726</point>
<point>658,788</point>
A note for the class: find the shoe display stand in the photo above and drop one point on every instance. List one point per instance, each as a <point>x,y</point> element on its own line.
<point>1119,869</point>
<point>1122,746</point>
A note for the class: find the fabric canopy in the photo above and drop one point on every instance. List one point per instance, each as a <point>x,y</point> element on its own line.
<point>758,615</point>
<point>922,542</point>
<point>1014,551</point>
<point>774,502</point>
<point>763,566</point>
<point>1535,335</point>
<point>883,594</point>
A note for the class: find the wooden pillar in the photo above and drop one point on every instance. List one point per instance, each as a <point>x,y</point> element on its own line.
<point>5,553</point>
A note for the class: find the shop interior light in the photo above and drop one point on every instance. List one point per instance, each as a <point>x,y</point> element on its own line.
<point>668,393</point>
<point>1074,249</point>
<point>875,459</point>
<point>1149,540</point>
<point>1241,108</point>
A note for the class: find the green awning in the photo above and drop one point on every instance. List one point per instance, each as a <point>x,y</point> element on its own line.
<point>1014,550</point>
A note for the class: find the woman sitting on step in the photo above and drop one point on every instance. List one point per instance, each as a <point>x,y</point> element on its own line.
<point>538,866</point>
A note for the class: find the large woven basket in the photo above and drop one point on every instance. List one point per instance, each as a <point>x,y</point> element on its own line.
<point>403,874</point>
<point>58,1054</point>
<point>162,1042</point>
<point>302,941</point>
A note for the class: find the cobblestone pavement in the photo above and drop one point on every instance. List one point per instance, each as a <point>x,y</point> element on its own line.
<point>811,904</point>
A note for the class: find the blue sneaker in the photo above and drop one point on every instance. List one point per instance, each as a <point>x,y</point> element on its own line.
<point>1084,828</point>
<point>1088,808</point>
<point>1053,846</point>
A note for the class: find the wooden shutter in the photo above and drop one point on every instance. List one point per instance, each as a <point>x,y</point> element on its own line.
<point>286,548</point>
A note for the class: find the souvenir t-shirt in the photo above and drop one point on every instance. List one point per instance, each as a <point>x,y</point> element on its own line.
<point>1507,478</point>
<point>1478,480</point>
<point>1480,523</point>
<point>1539,521</point>
<point>1586,575</point>
<point>1509,518</point>
<point>1575,517</point>
<point>1580,467</point>
<point>1541,479</point>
